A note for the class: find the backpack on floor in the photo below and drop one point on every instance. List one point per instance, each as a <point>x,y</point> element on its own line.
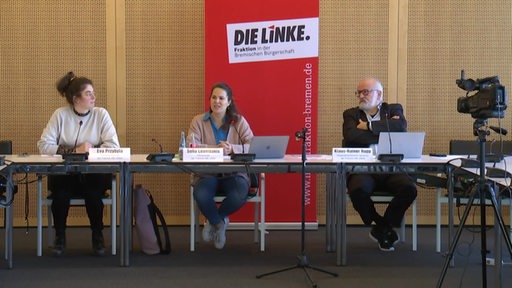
<point>147,215</point>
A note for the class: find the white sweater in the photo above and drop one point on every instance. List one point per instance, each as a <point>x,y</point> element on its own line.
<point>97,128</point>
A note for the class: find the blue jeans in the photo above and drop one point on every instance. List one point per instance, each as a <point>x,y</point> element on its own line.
<point>235,188</point>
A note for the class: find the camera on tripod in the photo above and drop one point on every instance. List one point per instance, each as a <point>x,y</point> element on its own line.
<point>489,102</point>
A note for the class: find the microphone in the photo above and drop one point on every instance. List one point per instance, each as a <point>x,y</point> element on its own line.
<point>76,156</point>
<point>389,157</point>
<point>77,134</point>
<point>466,84</point>
<point>161,149</point>
<point>160,157</point>
<point>243,157</point>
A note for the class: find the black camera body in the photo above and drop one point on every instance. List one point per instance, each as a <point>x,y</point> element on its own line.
<point>489,102</point>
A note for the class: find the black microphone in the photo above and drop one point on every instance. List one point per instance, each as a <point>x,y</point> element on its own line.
<point>389,134</point>
<point>76,156</point>
<point>466,84</point>
<point>160,157</point>
<point>389,157</point>
<point>77,134</point>
<point>237,156</point>
<point>161,149</point>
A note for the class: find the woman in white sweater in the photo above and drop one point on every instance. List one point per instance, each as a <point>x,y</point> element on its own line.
<point>74,129</point>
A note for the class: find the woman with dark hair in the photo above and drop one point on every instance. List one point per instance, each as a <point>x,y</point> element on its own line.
<point>221,126</point>
<point>75,128</point>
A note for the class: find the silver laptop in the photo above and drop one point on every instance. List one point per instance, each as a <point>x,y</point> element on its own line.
<point>269,147</point>
<point>410,144</point>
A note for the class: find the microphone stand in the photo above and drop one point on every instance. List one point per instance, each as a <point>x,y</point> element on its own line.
<point>480,190</point>
<point>73,156</point>
<point>160,157</point>
<point>394,158</point>
<point>303,262</point>
<point>243,157</point>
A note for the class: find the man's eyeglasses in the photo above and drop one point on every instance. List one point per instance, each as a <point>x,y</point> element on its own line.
<point>365,92</point>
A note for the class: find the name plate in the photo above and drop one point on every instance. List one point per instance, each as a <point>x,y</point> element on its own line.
<point>352,154</point>
<point>203,154</point>
<point>109,154</point>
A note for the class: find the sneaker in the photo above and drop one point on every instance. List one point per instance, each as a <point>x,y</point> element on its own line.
<point>220,234</point>
<point>99,249</point>
<point>59,245</point>
<point>208,231</point>
<point>98,244</point>
<point>380,236</point>
<point>392,236</point>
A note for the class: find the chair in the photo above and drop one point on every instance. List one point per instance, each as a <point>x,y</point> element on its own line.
<point>109,200</point>
<point>382,197</point>
<point>5,149</point>
<point>256,196</point>
<point>467,147</point>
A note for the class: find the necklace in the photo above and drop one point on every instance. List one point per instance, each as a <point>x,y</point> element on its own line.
<point>81,114</point>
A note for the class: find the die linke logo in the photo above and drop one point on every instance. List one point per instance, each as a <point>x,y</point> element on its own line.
<point>271,35</point>
<point>272,40</point>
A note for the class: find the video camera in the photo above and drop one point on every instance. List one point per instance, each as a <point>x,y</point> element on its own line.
<point>489,102</point>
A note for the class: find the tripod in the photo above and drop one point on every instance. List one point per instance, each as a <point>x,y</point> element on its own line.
<point>482,189</point>
<point>303,262</point>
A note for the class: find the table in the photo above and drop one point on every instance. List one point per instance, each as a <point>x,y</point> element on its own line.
<point>289,164</point>
<point>44,165</point>
<point>425,164</point>
<point>336,226</point>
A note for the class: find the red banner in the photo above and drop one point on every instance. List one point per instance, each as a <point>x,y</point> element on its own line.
<point>267,51</point>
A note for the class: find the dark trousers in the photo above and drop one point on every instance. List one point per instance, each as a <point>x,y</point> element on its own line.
<point>362,186</point>
<point>91,187</point>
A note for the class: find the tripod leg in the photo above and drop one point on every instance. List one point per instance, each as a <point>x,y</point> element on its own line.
<point>322,270</point>
<point>453,244</point>
<point>277,271</point>
<point>303,262</point>
<point>302,259</point>
<point>313,284</point>
<point>500,220</point>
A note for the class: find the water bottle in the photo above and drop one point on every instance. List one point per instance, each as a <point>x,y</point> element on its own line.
<point>183,144</point>
<point>192,141</point>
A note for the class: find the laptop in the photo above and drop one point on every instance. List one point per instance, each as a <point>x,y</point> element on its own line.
<point>269,147</point>
<point>410,144</point>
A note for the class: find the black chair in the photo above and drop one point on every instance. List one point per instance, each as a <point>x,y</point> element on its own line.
<point>5,149</point>
<point>471,147</point>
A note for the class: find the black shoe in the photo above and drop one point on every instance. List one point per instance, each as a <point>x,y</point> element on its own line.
<point>382,237</point>
<point>59,245</point>
<point>392,236</point>
<point>98,244</point>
